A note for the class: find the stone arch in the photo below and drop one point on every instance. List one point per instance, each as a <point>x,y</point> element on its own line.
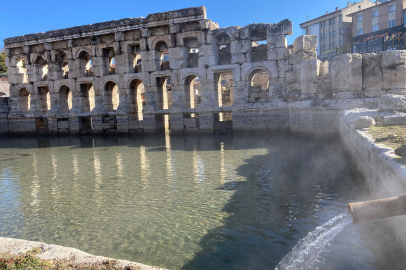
<point>111,95</point>
<point>192,91</point>
<point>24,100</point>
<point>40,67</point>
<point>161,54</point>
<point>223,43</point>
<point>160,39</point>
<point>259,82</point>
<point>83,49</point>
<point>137,95</point>
<point>85,62</point>
<point>250,72</point>
<point>65,99</point>
<point>43,98</point>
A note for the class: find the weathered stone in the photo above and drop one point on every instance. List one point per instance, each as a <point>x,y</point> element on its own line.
<point>393,103</point>
<point>363,122</point>
<point>401,151</point>
<point>346,73</point>
<point>305,43</point>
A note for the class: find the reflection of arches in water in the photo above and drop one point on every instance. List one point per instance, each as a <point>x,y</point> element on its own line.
<point>112,96</point>
<point>24,101</point>
<point>137,92</point>
<point>193,91</point>
<point>65,99</point>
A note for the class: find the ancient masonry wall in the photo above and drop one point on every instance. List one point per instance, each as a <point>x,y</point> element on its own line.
<point>385,176</point>
<point>133,74</point>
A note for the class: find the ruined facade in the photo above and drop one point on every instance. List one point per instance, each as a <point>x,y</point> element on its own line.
<point>132,74</point>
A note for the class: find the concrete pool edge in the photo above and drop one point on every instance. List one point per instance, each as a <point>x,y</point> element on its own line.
<point>60,253</point>
<point>383,174</point>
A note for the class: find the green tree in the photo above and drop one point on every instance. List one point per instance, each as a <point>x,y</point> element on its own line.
<point>3,68</point>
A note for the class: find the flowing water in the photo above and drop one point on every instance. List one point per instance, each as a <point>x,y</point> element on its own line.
<point>239,201</point>
<point>307,250</point>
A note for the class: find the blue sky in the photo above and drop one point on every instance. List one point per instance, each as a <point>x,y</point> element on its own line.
<point>27,17</point>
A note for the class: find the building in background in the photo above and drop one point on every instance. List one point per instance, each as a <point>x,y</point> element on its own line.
<point>379,28</point>
<point>334,30</point>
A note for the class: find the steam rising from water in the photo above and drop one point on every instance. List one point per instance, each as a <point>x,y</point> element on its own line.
<point>307,250</point>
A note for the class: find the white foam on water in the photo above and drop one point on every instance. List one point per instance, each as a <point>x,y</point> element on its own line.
<point>308,250</point>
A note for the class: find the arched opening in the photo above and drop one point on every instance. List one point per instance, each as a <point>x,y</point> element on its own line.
<point>65,99</point>
<point>63,61</point>
<point>224,47</point>
<point>193,90</point>
<point>137,91</point>
<point>85,65</point>
<point>24,100</point>
<point>224,88</point>
<point>135,58</point>
<point>162,55</point>
<point>110,55</point>
<point>192,45</point>
<point>164,92</point>
<point>259,47</point>
<point>44,99</point>
<point>41,68</point>
<point>259,86</point>
<point>112,96</point>
<point>87,97</point>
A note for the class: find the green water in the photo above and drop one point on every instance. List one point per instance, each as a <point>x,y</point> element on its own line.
<point>200,202</point>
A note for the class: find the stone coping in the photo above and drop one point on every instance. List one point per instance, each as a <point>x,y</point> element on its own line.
<point>55,252</point>
<point>194,13</point>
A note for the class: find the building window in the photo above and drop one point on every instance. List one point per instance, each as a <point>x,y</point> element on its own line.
<point>330,35</point>
<point>341,32</point>
<point>324,36</point>
<point>321,25</point>
<point>375,27</point>
<point>330,21</point>
<point>341,19</point>
<point>359,18</point>
<point>321,37</point>
<point>392,23</point>
<point>359,32</point>
<point>375,13</point>
<point>334,33</point>
<point>392,8</point>
<point>324,23</point>
<point>334,21</point>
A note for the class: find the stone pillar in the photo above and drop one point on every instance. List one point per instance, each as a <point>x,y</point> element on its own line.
<point>74,125</point>
<point>176,123</point>
<point>206,122</point>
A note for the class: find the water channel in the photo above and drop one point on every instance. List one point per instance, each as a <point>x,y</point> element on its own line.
<point>237,201</point>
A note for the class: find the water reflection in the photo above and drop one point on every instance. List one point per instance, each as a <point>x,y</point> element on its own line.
<point>197,202</point>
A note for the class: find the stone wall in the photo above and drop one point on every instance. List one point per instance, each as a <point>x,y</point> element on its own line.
<point>127,75</point>
<point>384,175</point>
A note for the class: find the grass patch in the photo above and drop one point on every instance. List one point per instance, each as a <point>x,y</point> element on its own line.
<point>391,136</point>
<point>29,261</point>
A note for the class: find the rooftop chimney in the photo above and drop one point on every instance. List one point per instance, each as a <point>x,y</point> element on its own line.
<point>326,12</point>
<point>348,4</point>
<point>337,8</point>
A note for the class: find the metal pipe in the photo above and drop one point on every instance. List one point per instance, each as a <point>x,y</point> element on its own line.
<point>379,209</point>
